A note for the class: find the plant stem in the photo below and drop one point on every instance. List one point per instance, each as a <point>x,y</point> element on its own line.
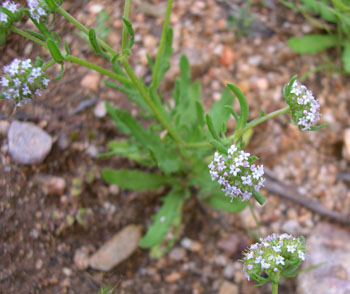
<point>84,29</point>
<point>125,31</point>
<point>162,44</point>
<point>48,64</point>
<point>28,36</point>
<point>258,121</point>
<point>99,69</point>
<point>274,288</point>
<point>248,126</point>
<point>255,218</point>
<point>149,101</point>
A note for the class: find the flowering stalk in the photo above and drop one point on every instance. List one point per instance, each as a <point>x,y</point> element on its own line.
<point>273,258</point>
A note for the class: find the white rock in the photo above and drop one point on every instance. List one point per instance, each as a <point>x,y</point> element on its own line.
<point>28,144</point>
<point>100,110</point>
<point>117,249</point>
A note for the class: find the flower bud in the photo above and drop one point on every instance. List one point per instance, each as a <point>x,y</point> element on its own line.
<point>22,81</point>
<point>273,257</point>
<point>303,105</point>
<point>236,173</point>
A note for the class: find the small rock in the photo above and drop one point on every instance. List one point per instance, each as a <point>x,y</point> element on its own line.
<point>67,271</point>
<point>62,141</point>
<point>92,151</point>
<point>191,245</point>
<point>228,288</point>
<point>39,264</point>
<point>330,244</point>
<point>228,56</point>
<point>28,144</point>
<point>96,8</point>
<point>292,227</point>
<point>52,185</point>
<point>346,150</point>
<point>231,244</point>
<point>177,254</point>
<point>117,249</point>
<point>173,277</point>
<point>81,259</point>
<point>229,271</point>
<point>114,189</point>
<point>91,81</point>
<point>4,126</point>
<point>100,110</point>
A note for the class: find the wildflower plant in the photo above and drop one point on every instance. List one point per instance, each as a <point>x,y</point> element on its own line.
<point>273,258</point>
<point>181,140</point>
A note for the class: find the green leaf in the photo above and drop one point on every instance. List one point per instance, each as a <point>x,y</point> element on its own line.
<point>211,127</point>
<point>219,112</point>
<point>95,45</point>
<point>200,114</point>
<point>312,43</point>
<point>134,179</point>
<point>3,36</point>
<point>346,57</point>
<point>259,197</point>
<point>165,59</point>
<point>54,51</point>
<point>171,208</point>
<point>219,146</point>
<point>117,121</point>
<point>244,108</point>
<point>219,201</point>
<point>315,128</point>
<point>60,75</point>
<point>130,29</point>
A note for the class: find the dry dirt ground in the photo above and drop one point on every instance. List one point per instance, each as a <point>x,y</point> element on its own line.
<point>38,246</point>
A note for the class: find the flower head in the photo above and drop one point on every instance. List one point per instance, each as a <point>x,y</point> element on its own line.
<point>236,174</point>
<point>303,105</point>
<point>11,6</point>
<point>37,9</point>
<point>272,255</point>
<point>23,81</point>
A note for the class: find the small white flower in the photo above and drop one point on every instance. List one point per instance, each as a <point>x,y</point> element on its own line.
<point>291,248</point>
<point>279,260</point>
<point>264,264</point>
<point>301,255</point>
<point>250,255</point>
<point>232,149</point>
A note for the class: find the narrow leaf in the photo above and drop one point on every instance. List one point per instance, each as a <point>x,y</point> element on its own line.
<point>94,43</point>
<point>244,108</point>
<point>346,57</point>
<point>219,201</point>
<point>134,179</point>
<point>54,51</point>
<point>211,127</point>
<point>219,146</point>
<point>312,43</point>
<point>170,209</point>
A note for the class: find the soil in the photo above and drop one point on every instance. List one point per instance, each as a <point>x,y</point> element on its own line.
<point>38,244</point>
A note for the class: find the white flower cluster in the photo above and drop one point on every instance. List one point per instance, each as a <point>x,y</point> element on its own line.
<point>9,5</point>
<point>304,106</point>
<point>272,255</point>
<point>36,9</point>
<point>23,81</point>
<point>236,174</point>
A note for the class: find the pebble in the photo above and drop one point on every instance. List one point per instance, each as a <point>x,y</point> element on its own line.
<point>191,245</point>
<point>28,144</point>
<point>52,185</point>
<point>228,56</point>
<point>346,149</point>
<point>177,254</point>
<point>91,81</point>
<point>92,151</point>
<point>228,288</point>
<point>229,271</point>
<point>327,243</point>
<point>292,227</point>
<point>173,277</point>
<point>4,126</point>
<point>62,141</point>
<point>96,8</point>
<point>81,259</point>
<point>100,110</point>
<point>117,249</point>
<point>67,271</point>
<point>231,244</point>
<point>114,189</point>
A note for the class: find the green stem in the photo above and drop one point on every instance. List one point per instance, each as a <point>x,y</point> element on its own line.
<point>48,64</point>
<point>125,31</point>
<point>99,69</point>
<point>149,101</point>
<point>258,121</point>
<point>255,218</point>
<point>28,36</point>
<point>162,44</point>
<point>274,288</point>
<point>239,133</point>
<point>84,29</point>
